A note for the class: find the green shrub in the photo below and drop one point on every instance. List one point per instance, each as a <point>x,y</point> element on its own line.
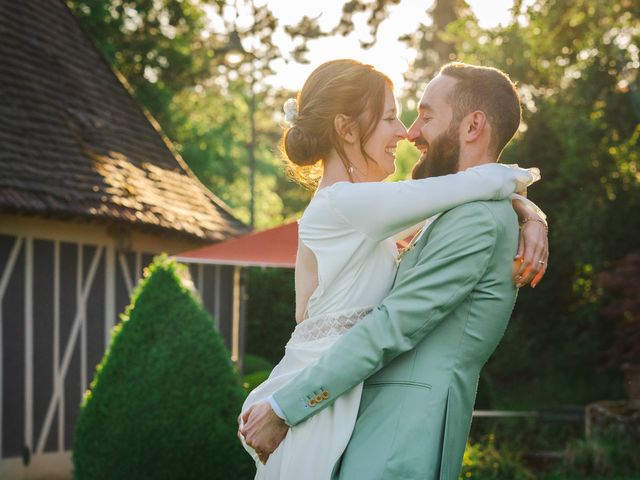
<point>609,454</point>
<point>164,399</point>
<point>254,363</point>
<point>256,371</point>
<point>252,380</point>
<point>271,311</point>
<point>483,461</point>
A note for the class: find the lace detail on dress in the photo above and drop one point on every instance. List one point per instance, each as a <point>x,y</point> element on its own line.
<point>323,326</point>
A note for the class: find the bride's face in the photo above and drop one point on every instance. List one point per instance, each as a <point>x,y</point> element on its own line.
<point>381,145</point>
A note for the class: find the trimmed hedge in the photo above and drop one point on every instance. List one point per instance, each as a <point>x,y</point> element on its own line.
<point>271,311</point>
<point>165,397</point>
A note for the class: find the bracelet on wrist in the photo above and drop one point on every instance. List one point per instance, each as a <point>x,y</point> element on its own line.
<point>533,219</point>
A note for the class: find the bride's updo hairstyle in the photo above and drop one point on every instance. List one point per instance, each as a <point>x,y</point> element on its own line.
<point>345,87</point>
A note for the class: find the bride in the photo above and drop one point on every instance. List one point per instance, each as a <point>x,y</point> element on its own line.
<point>345,121</point>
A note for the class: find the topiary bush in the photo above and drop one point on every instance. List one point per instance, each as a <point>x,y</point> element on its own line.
<point>165,397</point>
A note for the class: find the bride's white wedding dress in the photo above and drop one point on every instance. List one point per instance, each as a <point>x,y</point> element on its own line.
<point>349,228</point>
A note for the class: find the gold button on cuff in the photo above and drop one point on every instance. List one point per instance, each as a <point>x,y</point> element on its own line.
<point>325,395</point>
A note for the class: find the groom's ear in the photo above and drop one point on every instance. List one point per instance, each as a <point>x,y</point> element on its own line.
<point>475,125</point>
<point>345,127</point>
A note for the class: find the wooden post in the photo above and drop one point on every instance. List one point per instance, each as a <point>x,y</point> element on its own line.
<point>243,318</point>
<point>217,297</point>
<point>200,287</point>
<point>28,345</point>
<point>82,311</point>
<point>125,272</point>
<point>109,294</point>
<point>138,266</point>
<point>57,382</point>
<point>235,325</point>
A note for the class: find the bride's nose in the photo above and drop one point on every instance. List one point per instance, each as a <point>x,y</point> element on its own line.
<point>401,132</point>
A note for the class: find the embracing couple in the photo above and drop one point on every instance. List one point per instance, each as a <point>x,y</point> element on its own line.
<point>379,378</point>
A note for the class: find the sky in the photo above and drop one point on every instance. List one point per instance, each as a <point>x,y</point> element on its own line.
<point>388,54</point>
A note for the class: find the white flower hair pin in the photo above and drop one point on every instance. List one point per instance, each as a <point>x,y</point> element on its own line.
<point>290,109</point>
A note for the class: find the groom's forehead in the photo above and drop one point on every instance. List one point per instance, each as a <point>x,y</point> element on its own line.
<point>436,93</point>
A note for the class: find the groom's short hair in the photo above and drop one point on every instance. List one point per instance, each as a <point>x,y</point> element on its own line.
<point>489,90</point>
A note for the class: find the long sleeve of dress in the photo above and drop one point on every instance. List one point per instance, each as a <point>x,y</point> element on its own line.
<point>380,210</point>
<point>422,299</point>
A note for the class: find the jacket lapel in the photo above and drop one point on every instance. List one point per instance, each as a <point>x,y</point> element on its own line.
<point>410,258</point>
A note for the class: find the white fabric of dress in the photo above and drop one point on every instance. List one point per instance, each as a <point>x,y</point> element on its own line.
<point>349,228</point>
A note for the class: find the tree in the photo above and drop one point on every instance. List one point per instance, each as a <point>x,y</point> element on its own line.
<point>177,68</point>
<point>434,45</point>
<point>576,66</point>
<point>155,44</point>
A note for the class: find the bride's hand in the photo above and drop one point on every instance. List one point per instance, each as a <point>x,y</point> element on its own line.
<point>533,253</point>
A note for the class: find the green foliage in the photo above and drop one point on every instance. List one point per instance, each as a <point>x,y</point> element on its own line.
<point>622,283</point>
<point>164,399</point>
<point>252,380</point>
<point>177,68</point>
<point>211,132</point>
<point>270,311</point>
<point>434,44</point>
<point>528,434</point>
<point>406,156</point>
<point>609,455</point>
<point>255,363</point>
<point>484,461</point>
<point>155,44</point>
<point>568,476</point>
<point>576,66</point>
<point>256,371</point>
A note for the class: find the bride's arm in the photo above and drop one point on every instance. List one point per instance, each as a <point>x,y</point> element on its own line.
<point>422,298</point>
<point>381,209</point>
<point>533,246</point>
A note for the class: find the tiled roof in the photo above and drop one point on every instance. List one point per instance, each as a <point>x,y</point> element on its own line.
<point>75,144</point>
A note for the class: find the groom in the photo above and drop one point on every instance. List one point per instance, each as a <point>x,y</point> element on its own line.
<point>447,311</point>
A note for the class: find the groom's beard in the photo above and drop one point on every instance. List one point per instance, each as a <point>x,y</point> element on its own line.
<point>441,157</point>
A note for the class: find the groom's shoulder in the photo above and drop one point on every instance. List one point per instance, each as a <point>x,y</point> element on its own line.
<point>491,209</point>
<point>495,212</point>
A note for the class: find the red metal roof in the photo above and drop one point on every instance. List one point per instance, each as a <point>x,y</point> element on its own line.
<point>275,247</point>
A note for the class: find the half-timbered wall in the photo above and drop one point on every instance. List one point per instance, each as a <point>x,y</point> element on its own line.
<point>59,301</point>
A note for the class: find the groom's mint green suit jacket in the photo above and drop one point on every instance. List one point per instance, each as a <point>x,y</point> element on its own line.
<point>447,311</point>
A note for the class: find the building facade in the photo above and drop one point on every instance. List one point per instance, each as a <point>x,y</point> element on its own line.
<point>90,191</point>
